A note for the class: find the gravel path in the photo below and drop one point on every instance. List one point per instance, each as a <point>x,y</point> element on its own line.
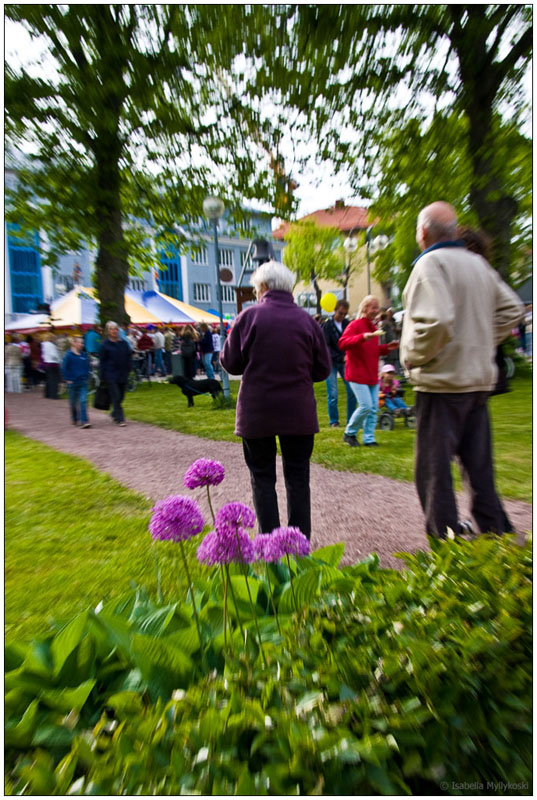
<point>369,513</point>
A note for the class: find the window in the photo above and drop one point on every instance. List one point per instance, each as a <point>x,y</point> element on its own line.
<point>202,293</point>
<point>137,284</point>
<point>200,257</point>
<point>228,294</point>
<point>244,253</point>
<point>25,273</point>
<point>307,300</point>
<point>225,258</point>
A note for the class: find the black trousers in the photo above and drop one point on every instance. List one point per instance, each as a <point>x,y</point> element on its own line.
<point>117,393</point>
<point>260,457</point>
<point>52,381</point>
<point>450,425</point>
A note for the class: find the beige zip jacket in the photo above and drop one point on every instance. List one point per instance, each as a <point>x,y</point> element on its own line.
<point>457,310</point>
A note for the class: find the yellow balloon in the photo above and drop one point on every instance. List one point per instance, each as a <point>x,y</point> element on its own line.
<point>328,302</point>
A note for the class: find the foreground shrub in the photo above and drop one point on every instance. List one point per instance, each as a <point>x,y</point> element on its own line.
<point>386,682</point>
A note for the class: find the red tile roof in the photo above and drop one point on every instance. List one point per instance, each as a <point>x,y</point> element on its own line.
<point>346,218</point>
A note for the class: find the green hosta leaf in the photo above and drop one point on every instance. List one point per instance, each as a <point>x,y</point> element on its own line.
<point>306,588</point>
<point>372,749</point>
<point>150,652</point>
<point>68,699</point>
<point>331,555</point>
<point>14,655</point>
<point>154,623</point>
<point>52,736</point>
<point>329,575</point>
<point>186,639</point>
<point>66,640</point>
<point>126,702</point>
<point>241,590</point>
<point>19,735</point>
<point>117,630</point>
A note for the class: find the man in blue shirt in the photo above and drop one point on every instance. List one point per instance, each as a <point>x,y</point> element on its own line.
<point>93,340</point>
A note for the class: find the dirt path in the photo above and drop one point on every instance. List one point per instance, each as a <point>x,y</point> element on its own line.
<point>367,512</point>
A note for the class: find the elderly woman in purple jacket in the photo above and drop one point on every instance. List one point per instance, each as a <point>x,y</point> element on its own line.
<point>280,351</point>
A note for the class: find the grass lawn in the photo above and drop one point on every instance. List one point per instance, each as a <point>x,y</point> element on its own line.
<point>73,536</point>
<point>164,405</point>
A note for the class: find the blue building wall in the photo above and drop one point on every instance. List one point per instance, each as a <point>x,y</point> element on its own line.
<point>24,272</point>
<point>189,276</point>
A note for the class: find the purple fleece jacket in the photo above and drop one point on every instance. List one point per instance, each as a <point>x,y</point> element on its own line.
<point>280,351</point>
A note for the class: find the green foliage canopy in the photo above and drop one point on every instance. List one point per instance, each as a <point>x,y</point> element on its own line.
<point>314,253</point>
<point>136,125</point>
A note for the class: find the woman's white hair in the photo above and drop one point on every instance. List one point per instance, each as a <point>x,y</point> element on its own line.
<point>364,304</point>
<point>109,325</point>
<point>275,276</point>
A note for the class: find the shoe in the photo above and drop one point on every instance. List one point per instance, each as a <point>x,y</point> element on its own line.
<point>335,425</point>
<point>351,440</point>
<point>86,425</point>
<point>466,530</point>
<point>371,444</point>
<point>122,424</point>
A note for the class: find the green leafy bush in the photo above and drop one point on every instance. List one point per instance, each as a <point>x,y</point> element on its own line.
<point>386,682</point>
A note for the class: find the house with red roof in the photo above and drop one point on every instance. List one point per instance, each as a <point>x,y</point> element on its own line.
<point>351,221</point>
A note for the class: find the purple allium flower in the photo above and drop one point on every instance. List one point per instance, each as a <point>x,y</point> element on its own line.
<point>260,544</point>
<point>286,541</point>
<point>223,548</point>
<point>176,518</point>
<point>234,515</point>
<point>204,472</point>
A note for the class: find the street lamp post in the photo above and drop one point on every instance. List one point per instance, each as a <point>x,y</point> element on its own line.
<point>368,249</point>
<point>350,244</point>
<point>378,243</point>
<point>213,208</point>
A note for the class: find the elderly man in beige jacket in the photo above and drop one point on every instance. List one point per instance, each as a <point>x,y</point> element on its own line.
<point>457,309</point>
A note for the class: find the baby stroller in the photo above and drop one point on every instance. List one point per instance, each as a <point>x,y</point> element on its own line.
<point>387,416</point>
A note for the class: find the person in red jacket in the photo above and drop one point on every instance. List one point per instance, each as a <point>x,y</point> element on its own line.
<point>360,341</point>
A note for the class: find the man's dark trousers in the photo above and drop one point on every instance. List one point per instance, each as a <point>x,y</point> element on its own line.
<point>117,393</point>
<point>448,425</point>
<point>260,457</point>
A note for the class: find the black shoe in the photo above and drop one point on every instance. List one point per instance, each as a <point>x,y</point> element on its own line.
<point>371,444</point>
<point>351,440</point>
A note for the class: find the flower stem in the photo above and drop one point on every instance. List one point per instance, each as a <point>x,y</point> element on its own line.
<point>185,563</point>
<point>210,504</point>
<point>251,601</point>
<point>225,605</point>
<point>230,584</point>
<point>157,570</point>
<point>272,598</point>
<point>291,579</point>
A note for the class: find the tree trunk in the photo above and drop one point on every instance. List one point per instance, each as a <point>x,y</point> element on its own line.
<point>481,82</point>
<point>112,268</point>
<point>318,292</point>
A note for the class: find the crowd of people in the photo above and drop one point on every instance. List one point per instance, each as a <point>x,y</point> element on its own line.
<point>50,357</point>
<point>457,312</point>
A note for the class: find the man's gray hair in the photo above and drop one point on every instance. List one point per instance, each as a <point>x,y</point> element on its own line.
<point>437,229</point>
<point>275,276</point>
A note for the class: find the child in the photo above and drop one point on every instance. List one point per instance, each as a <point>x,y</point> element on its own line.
<point>388,389</point>
<point>75,370</point>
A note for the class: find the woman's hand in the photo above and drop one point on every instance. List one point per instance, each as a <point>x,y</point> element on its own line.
<point>392,345</point>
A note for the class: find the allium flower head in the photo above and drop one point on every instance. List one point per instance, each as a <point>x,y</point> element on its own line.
<point>223,548</point>
<point>286,541</point>
<point>234,515</point>
<point>204,472</point>
<point>260,544</point>
<point>176,518</point>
